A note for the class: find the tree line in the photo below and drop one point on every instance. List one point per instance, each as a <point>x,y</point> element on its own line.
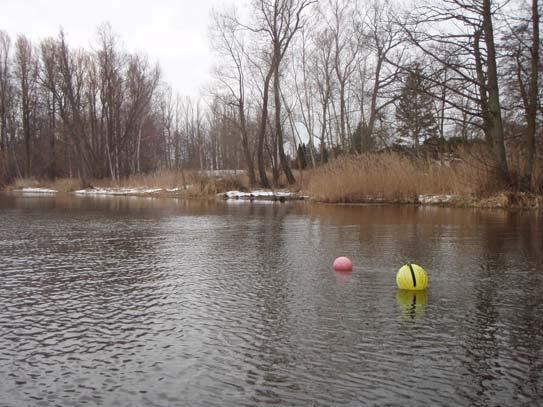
<point>296,82</point>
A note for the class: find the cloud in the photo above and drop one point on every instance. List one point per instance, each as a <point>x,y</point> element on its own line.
<point>174,33</point>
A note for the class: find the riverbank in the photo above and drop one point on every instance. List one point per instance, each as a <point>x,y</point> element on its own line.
<point>178,192</point>
<point>388,178</point>
<point>506,200</point>
<point>460,179</point>
<point>190,185</point>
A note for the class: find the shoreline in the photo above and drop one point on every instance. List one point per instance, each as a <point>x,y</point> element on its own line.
<point>504,200</point>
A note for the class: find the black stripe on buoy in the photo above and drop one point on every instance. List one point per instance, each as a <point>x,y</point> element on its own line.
<point>412,274</point>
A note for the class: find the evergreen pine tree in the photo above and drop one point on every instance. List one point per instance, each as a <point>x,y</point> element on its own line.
<point>301,156</point>
<point>357,138</point>
<point>415,110</point>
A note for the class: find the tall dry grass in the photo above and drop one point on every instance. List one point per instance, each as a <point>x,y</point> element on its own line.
<point>204,185</point>
<point>394,177</point>
<point>192,180</point>
<point>158,179</point>
<point>59,184</point>
<point>516,159</point>
<point>195,184</point>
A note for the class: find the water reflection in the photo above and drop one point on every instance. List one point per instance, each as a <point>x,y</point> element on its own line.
<point>163,302</point>
<point>343,277</point>
<point>412,303</point>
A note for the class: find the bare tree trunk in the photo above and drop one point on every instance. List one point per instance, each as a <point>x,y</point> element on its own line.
<point>52,156</point>
<point>264,182</point>
<point>279,130</point>
<point>307,117</point>
<point>74,119</point>
<point>138,146</point>
<point>495,125</point>
<point>342,135</point>
<point>245,145</point>
<point>323,127</point>
<point>531,105</point>
<point>25,75</point>
<point>110,163</point>
<point>368,133</point>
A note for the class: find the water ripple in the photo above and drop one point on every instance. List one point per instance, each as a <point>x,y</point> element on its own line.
<point>121,303</point>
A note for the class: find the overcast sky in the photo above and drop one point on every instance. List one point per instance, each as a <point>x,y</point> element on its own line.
<point>173,32</point>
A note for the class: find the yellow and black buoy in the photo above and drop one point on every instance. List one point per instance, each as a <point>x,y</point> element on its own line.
<point>412,277</point>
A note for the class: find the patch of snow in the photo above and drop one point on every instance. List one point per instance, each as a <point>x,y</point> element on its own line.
<point>435,199</point>
<point>236,194</point>
<point>403,141</point>
<point>117,191</point>
<point>91,191</point>
<point>282,193</point>
<point>38,190</point>
<point>253,202</point>
<point>222,173</point>
<point>259,195</point>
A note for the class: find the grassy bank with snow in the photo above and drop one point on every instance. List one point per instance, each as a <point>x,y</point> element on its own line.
<point>194,184</point>
<point>467,180</point>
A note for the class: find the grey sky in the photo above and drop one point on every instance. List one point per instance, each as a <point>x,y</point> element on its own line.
<point>174,32</point>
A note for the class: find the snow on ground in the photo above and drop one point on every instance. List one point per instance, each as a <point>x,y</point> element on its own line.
<point>262,195</point>
<point>38,191</point>
<point>222,173</point>
<point>435,199</point>
<point>259,195</point>
<point>117,191</point>
<point>245,201</point>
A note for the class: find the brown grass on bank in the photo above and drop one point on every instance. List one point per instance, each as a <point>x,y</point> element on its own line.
<point>393,177</point>
<point>159,179</point>
<point>511,200</point>
<point>59,184</point>
<point>516,159</point>
<point>203,185</point>
<point>197,184</point>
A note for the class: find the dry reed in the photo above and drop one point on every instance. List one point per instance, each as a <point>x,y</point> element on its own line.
<point>195,184</point>
<point>59,184</point>
<point>158,179</point>
<point>393,177</point>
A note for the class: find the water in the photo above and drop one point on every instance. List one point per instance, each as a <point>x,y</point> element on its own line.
<point>134,301</point>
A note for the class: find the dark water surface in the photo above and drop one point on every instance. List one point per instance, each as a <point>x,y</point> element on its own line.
<point>142,302</point>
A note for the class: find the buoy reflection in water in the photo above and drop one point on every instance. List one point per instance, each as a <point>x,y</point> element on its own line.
<point>412,303</point>
<point>343,277</point>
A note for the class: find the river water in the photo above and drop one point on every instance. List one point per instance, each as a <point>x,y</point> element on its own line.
<point>121,301</point>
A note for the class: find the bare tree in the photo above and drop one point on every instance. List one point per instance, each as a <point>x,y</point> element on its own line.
<point>4,88</point>
<point>383,35</point>
<point>469,51</point>
<point>525,54</point>
<point>49,80</point>
<point>279,20</point>
<point>229,42</point>
<point>26,74</point>
<point>304,93</point>
<point>346,47</point>
<point>8,99</point>
<point>323,71</point>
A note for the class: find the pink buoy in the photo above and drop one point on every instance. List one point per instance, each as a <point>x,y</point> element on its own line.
<point>342,264</point>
